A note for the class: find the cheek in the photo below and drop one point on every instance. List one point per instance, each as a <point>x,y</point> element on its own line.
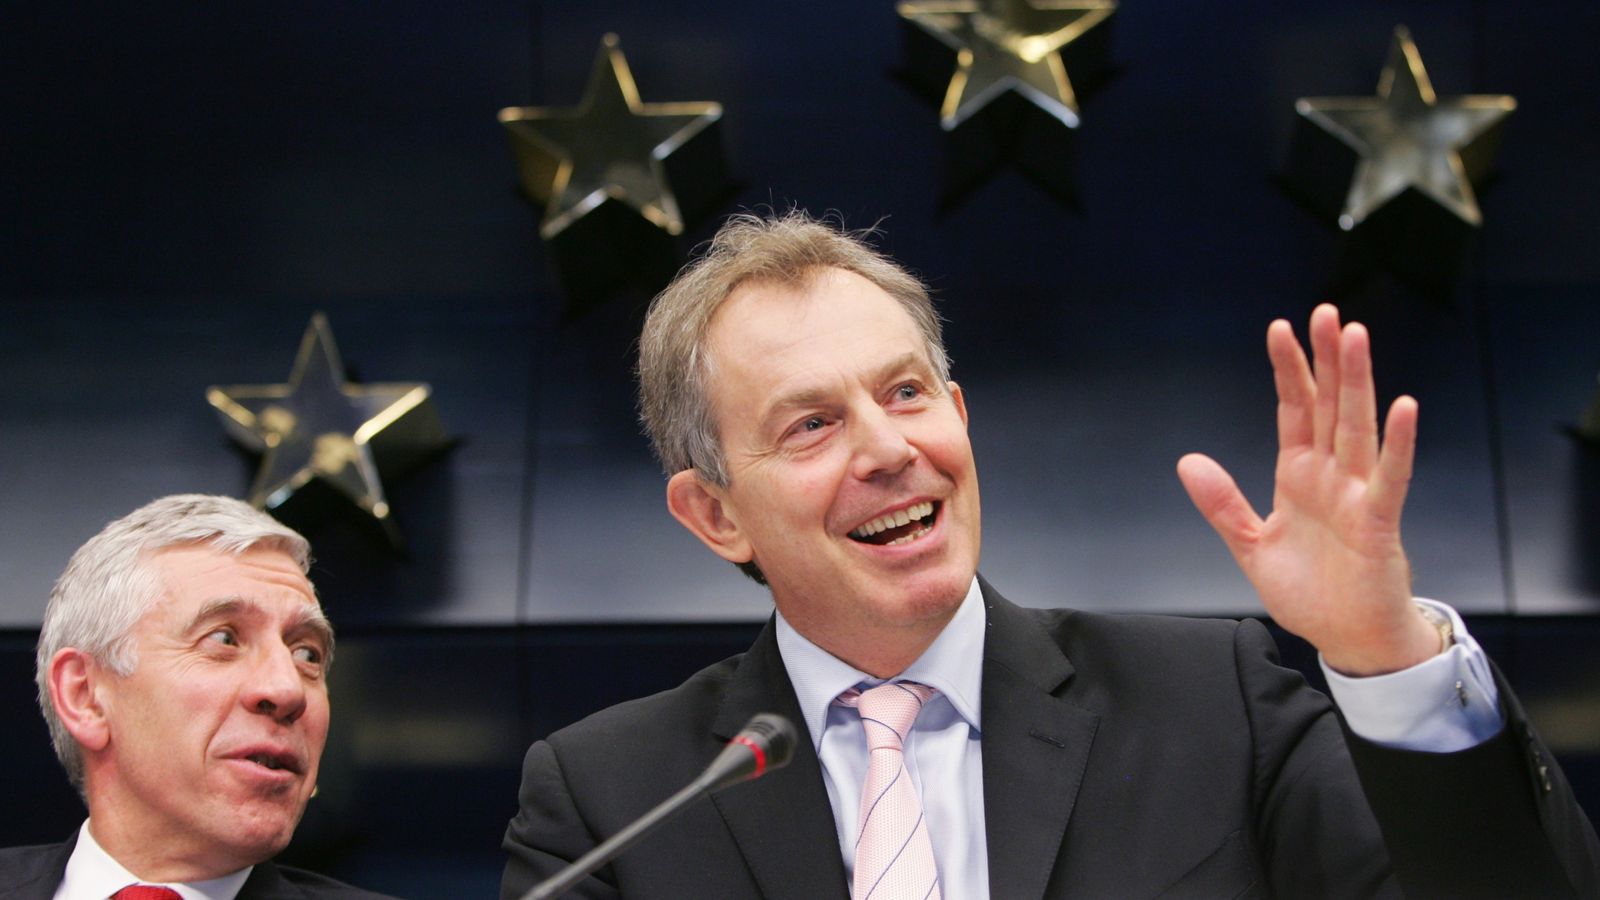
<point>950,453</point>
<point>814,498</point>
<point>180,707</point>
<point>798,492</point>
<point>317,727</point>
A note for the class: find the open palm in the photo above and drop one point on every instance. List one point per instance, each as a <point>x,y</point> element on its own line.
<point>1327,560</point>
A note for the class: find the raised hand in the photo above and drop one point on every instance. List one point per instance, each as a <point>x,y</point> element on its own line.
<point>1327,560</point>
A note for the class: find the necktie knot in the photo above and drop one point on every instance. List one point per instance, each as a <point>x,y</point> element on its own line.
<point>888,711</point>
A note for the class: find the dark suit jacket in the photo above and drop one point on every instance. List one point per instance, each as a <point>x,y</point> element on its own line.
<point>34,873</point>
<point>1123,756</point>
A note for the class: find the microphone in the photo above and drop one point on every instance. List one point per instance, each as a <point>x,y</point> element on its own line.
<point>765,743</point>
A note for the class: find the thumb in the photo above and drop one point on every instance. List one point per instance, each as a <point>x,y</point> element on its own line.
<point>1220,501</point>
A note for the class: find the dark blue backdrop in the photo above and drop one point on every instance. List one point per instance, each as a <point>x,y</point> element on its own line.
<point>183,187</point>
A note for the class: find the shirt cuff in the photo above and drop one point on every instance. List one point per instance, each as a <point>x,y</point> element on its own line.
<point>1441,705</point>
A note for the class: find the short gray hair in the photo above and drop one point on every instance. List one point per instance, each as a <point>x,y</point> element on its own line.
<point>787,250</point>
<point>108,586</point>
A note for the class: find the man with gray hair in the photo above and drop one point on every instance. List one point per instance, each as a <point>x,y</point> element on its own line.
<point>182,670</point>
<point>794,384</point>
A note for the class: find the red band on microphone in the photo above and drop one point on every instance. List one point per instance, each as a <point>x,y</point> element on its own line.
<point>761,757</point>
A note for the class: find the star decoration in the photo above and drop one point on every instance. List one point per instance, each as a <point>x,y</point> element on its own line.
<point>321,427</point>
<point>1007,45</point>
<point>1409,138</point>
<point>610,146</point>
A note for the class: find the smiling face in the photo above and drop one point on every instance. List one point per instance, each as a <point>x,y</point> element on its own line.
<point>212,742</point>
<point>851,481</point>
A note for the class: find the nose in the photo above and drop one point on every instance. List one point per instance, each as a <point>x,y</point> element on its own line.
<point>881,445</point>
<point>276,688</point>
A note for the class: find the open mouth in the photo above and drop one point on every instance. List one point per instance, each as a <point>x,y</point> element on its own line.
<point>275,762</point>
<point>899,527</point>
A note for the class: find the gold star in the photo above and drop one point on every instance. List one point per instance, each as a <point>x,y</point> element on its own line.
<point>610,146</point>
<point>1007,45</point>
<point>1409,138</point>
<point>323,427</point>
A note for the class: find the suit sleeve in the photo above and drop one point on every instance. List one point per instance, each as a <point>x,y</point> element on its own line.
<point>548,831</point>
<point>1495,820</point>
<point>1316,834</point>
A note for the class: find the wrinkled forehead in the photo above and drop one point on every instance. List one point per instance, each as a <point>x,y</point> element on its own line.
<point>189,575</point>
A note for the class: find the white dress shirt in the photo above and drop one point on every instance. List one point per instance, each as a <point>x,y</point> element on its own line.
<point>93,875</point>
<point>1447,703</point>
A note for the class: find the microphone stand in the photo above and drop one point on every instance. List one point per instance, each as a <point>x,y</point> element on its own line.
<point>766,743</point>
<point>613,846</point>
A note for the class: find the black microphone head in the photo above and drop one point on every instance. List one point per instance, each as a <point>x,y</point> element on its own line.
<point>775,735</point>
<point>766,742</point>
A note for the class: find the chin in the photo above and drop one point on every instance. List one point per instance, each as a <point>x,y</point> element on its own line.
<point>264,833</point>
<point>933,595</point>
<point>261,847</point>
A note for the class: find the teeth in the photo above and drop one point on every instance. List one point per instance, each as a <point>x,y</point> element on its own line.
<point>895,519</point>
<point>264,760</point>
<point>905,539</point>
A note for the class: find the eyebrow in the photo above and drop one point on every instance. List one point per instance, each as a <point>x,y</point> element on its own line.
<point>307,618</point>
<point>811,396</point>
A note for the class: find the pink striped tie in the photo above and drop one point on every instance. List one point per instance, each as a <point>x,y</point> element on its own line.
<point>894,857</point>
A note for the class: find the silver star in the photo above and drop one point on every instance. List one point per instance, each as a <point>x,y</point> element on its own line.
<point>1407,137</point>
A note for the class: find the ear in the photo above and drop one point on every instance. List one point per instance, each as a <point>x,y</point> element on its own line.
<point>75,681</point>
<point>959,398</point>
<point>700,507</point>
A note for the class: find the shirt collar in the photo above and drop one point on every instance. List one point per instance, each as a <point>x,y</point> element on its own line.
<point>953,663</point>
<point>92,872</point>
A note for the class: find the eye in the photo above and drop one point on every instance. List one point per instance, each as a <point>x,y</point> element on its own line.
<point>910,392</point>
<point>306,653</point>
<point>808,431</point>
<point>223,636</point>
<point>809,425</point>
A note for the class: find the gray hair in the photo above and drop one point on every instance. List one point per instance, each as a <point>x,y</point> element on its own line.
<point>787,250</point>
<point>108,586</point>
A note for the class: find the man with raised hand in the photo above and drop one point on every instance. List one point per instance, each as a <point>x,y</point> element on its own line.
<point>795,386</point>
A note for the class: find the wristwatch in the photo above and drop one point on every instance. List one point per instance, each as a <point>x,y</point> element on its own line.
<point>1440,623</point>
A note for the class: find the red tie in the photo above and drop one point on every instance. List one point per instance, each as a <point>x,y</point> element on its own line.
<point>146,892</point>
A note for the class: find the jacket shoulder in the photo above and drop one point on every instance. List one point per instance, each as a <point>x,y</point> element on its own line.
<point>271,880</point>
<point>1212,666</point>
<point>1122,636</point>
<point>33,871</point>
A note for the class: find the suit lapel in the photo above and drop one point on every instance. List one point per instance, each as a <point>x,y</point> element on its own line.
<point>1035,750</point>
<point>782,822</point>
